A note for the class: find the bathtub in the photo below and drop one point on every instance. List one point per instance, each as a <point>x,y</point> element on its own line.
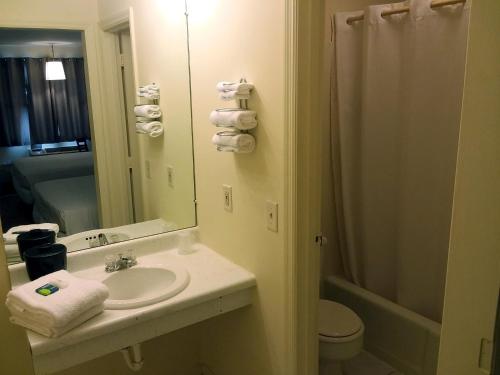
<point>406,340</point>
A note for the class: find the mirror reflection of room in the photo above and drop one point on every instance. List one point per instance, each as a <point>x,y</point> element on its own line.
<point>47,168</point>
<point>77,155</point>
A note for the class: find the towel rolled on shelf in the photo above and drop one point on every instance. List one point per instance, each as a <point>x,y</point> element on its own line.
<point>232,140</point>
<point>53,304</point>
<point>152,88</point>
<point>153,129</point>
<point>150,92</point>
<point>239,87</point>
<point>234,95</point>
<point>149,95</point>
<point>149,111</point>
<point>234,118</point>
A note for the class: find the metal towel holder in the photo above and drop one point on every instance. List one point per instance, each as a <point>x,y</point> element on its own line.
<point>242,104</point>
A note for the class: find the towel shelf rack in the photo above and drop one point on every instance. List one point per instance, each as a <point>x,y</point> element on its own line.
<point>242,105</point>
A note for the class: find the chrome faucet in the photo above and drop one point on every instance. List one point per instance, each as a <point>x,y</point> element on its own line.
<point>119,261</point>
<point>103,240</point>
<point>99,240</point>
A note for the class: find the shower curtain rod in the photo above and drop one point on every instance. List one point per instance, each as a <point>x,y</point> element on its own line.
<point>435,4</point>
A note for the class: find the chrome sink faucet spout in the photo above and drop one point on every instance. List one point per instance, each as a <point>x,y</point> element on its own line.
<point>98,240</point>
<point>119,261</point>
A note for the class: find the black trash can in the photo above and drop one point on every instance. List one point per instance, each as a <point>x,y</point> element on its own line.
<point>44,259</point>
<point>34,238</point>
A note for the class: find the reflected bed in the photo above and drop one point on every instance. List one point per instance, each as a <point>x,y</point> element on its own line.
<point>27,172</point>
<point>69,202</point>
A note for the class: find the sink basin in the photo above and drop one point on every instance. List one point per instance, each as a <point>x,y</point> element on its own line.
<point>144,285</point>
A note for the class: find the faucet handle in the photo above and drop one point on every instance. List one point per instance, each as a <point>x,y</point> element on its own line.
<point>129,257</point>
<point>111,262</point>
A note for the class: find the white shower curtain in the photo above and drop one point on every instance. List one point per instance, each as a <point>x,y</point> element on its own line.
<point>397,89</point>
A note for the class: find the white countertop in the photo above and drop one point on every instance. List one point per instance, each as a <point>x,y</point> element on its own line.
<point>212,278</point>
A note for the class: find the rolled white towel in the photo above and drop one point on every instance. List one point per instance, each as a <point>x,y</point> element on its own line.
<point>234,95</point>
<point>234,141</point>
<point>74,297</point>
<point>152,96</point>
<point>147,110</point>
<point>149,95</point>
<point>239,87</point>
<point>143,119</point>
<point>153,129</point>
<point>152,88</point>
<point>10,237</point>
<point>56,331</point>
<point>243,120</point>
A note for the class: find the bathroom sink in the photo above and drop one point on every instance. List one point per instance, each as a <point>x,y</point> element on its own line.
<point>144,285</point>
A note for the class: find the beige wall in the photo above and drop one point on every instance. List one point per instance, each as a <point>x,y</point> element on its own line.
<point>229,40</point>
<point>473,277</point>
<point>48,12</point>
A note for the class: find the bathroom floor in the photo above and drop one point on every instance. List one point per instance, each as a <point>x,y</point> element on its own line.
<point>367,364</point>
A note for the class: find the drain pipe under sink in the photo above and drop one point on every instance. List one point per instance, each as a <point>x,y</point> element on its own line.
<point>133,357</point>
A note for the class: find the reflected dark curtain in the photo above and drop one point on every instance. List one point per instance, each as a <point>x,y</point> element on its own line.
<point>12,102</point>
<point>65,100</point>
<point>70,102</point>
<point>43,128</point>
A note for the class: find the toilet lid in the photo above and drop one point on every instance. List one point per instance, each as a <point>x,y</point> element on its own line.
<point>336,320</point>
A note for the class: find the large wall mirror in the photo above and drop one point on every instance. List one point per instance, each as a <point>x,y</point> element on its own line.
<point>76,155</point>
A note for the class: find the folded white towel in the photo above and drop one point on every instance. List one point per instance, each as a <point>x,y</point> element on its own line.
<point>74,297</point>
<point>153,129</point>
<point>239,119</point>
<point>12,254</point>
<point>55,331</point>
<point>147,110</point>
<point>239,87</point>
<point>11,251</point>
<point>10,237</point>
<point>234,95</point>
<point>234,141</point>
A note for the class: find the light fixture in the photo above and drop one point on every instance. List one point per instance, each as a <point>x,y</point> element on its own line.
<point>54,69</point>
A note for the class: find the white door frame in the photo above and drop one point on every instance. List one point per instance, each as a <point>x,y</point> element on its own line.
<point>304,36</point>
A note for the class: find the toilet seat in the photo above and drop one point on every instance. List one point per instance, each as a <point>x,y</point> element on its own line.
<point>338,323</point>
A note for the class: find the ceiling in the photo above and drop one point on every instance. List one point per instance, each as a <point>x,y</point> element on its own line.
<point>39,37</point>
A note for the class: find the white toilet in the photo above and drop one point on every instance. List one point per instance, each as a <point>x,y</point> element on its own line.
<point>340,332</point>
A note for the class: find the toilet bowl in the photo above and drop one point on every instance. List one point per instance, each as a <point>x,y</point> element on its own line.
<point>340,333</point>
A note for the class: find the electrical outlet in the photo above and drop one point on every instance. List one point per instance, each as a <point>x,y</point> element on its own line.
<point>170,175</point>
<point>148,169</point>
<point>228,197</point>
<point>272,216</point>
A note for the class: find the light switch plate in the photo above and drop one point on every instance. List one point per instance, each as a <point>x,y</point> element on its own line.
<point>272,216</point>
<point>228,197</point>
